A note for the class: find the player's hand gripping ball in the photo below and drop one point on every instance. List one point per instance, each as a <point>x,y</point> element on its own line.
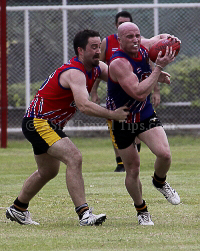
<point>161,46</point>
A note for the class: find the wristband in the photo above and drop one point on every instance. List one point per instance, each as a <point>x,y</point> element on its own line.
<point>159,66</point>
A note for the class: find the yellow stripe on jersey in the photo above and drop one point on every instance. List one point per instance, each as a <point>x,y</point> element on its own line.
<point>111,133</point>
<point>45,131</point>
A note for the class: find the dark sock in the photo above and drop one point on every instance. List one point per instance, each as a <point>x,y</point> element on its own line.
<point>158,182</point>
<point>20,206</point>
<point>139,147</point>
<point>141,208</point>
<point>81,210</point>
<point>119,161</point>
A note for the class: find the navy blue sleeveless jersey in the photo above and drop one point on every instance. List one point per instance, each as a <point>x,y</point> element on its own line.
<point>117,97</point>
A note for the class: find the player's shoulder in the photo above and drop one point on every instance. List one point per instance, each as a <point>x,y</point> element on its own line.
<point>73,72</point>
<point>119,63</point>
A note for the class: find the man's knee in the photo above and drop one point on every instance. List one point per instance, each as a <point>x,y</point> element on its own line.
<point>133,170</point>
<point>75,160</point>
<point>165,154</point>
<point>78,158</point>
<point>48,174</point>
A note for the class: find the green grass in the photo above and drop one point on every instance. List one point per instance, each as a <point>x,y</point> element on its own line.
<point>176,227</point>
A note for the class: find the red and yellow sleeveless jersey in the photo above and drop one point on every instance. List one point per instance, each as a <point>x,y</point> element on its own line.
<point>55,103</point>
<point>112,45</point>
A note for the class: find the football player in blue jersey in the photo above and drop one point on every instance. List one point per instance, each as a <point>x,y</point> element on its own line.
<point>131,82</point>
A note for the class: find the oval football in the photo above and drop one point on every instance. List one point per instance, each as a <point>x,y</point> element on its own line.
<point>161,46</point>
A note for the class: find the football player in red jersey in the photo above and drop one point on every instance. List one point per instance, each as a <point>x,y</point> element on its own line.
<point>109,45</point>
<point>62,93</point>
<point>131,81</point>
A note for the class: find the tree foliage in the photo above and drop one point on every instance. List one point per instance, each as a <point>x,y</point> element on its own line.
<point>185,78</point>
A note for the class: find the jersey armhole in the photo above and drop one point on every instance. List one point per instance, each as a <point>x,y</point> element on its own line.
<point>59,84</point>
<point>111,79</point>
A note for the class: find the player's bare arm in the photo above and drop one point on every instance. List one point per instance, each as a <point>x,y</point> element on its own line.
<point>147,43</point>
<point>75,80</point>
<point>156,91</point>
<point>93,93</point>
<point>103,50</point>
<point>121,71</point>
<point>163,78</point>
<point>103,76</point>
<point>104,71</point>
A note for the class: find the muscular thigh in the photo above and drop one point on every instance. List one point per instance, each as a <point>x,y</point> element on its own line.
<point>123,134</point>
<point>156,140</point>
<point>65,151</point>
<point>41,133</point>
<point>47,164</point>
<point>130,157</point>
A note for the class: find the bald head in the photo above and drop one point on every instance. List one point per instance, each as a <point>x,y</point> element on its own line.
<point>126,27</point>
<point>129,38</point>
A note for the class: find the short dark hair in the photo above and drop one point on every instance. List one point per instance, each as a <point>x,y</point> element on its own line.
<point>81,39</point>
<point>123,14</point>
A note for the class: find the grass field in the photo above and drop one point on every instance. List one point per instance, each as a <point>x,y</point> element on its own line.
<point>176,227</point>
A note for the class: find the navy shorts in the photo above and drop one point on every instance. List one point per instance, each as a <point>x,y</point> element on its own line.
<point>124,134</point>
<point>41,134</point>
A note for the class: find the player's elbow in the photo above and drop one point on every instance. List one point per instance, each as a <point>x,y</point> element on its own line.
<point>83,107</point>
<point>140,97</point>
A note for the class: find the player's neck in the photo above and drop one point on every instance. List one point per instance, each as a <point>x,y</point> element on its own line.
<point>86,65</point>
<point>132,55</point>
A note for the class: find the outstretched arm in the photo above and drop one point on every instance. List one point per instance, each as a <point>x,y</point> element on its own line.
<point>76,81</point>
<point>149,42</point>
